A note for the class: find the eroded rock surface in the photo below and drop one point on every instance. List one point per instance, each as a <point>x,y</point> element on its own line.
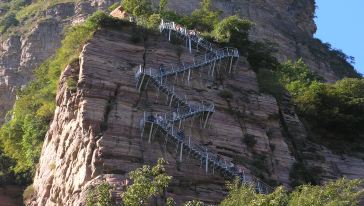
<point>95,134</point>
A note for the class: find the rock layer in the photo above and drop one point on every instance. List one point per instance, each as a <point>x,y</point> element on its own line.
<point>95,134</point>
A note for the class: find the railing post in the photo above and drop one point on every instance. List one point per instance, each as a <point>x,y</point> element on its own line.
<point>207,161</point>
<point>169,35</point>
<point>189,44</point>
<point>180,155</point>
<point>150,133</point>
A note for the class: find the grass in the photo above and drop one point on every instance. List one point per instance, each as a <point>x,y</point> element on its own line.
<point>37,7</point>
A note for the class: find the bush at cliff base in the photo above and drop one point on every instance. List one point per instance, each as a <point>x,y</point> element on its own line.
<point>26,126</point>
<point>341,192</point>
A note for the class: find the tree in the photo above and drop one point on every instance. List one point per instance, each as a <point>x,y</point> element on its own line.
<point>295,77</point>
<point>147,183</point>
<point>341,192</point>
<point>233,31</point>
<point>246,195</point>
<point>100,195</point>
<point>204,18</point>
<point>138,8</point>
<point>162,6</point>
<point>194,203</point>
<point>8,21</point>
<point>337,107</point>
<point>154,21</point>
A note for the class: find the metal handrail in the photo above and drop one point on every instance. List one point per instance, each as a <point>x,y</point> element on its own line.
<point>205,155</point>
<point>166,122</point>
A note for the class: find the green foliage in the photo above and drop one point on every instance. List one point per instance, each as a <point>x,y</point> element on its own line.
<point>337,107</point>
<point>261,55</point>
<point>301,174</point>
<point>100,195</point>
<point>269,83</point>
<point>147,183</point>
<point>114,6</point>
<point>23,134</point>
<point>170,201</point>
<point>153,21</point>
<point>179,19</point>
<point>341,192</point>
<point>193,203</point>
<point>71,84</point>
<point>246,195</point>
<point>37,7</point>
<point>205,18</point>
<point>233,31</point>
<point>8,21</point>
<point>334,110</point>
<point>162,6</point>
<point>138,8</point>
<point>296,77</point>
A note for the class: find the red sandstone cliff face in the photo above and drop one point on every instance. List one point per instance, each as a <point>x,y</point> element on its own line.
<point>95,133</point>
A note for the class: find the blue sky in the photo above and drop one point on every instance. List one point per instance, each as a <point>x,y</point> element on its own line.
<point>341,23</point>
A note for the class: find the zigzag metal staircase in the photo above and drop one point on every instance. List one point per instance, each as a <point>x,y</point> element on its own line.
<point>166,125</point>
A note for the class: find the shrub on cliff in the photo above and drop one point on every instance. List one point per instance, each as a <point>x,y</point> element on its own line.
<point>335,111</point>
<point>100,195</point>
<point>337,107</point>
<point>147,183</point>
<point>138,8</point>
<point>205,18</point>
<point>341,192</point>
<point>8,21</point>
<point>295,76</point>
<point>233,31</point>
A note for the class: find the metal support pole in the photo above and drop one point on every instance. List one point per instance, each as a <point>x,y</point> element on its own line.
<point>170,103</point>
<point>141,83</point>
<point>207,161</point>
<point>207,118</point>
<point>180,154</point>
<point>150,133</point>
<point>190,45</point>
<point>231,64</point>
<point>213,69</point>
<point>189,76</point>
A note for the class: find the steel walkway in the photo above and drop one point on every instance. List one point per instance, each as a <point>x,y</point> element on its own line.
<point>166,126</point>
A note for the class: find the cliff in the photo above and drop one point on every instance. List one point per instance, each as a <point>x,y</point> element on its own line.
<point>95,135</point>
<point>289,24</point>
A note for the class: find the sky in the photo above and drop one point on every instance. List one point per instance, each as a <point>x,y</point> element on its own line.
<point>341,23</point>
